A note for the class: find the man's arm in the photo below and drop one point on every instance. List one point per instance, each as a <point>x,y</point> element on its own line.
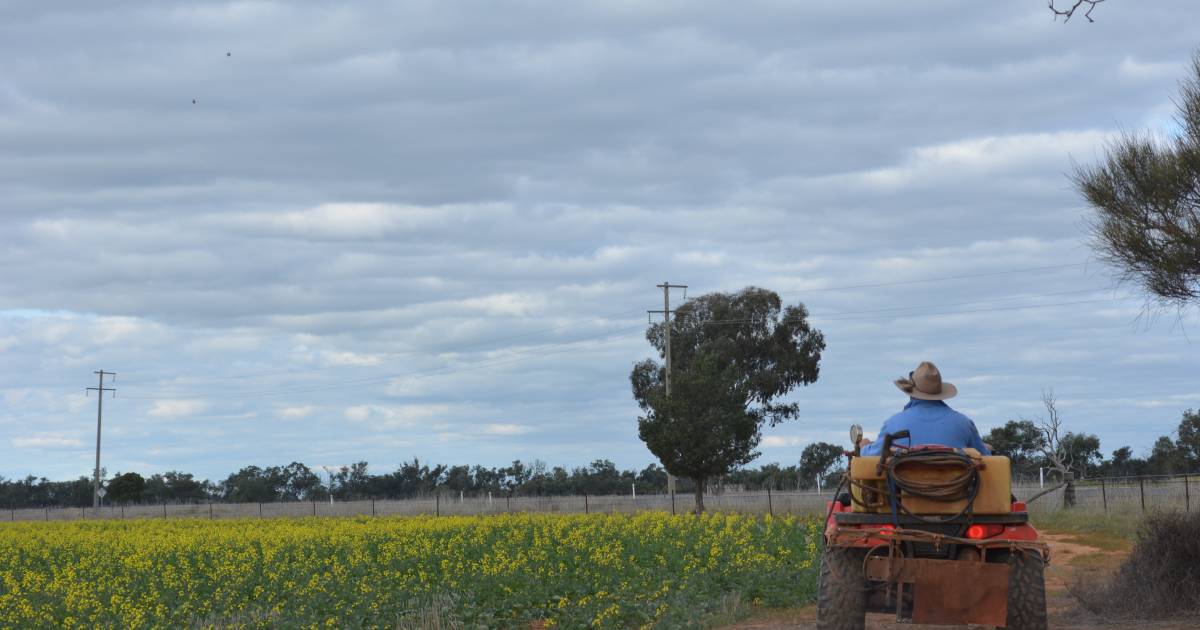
<point>977,442</point>
<point>876,447</point>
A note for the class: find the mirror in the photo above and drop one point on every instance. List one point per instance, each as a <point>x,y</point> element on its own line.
<point>855,434</point>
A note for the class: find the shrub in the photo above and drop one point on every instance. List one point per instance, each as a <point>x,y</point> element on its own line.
<point>1161,577</point>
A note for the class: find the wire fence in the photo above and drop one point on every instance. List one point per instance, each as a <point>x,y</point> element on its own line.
<point>1120,494</point>
<point>762,502</point>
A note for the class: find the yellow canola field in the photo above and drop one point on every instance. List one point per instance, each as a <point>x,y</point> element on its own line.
<point>613,571</point>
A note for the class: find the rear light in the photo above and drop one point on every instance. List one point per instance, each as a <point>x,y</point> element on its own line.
<point>979,532</point>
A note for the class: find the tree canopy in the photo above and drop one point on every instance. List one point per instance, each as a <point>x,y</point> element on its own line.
<point>126,488</point>
<point>732,356</point>
<point>1146,197</point>
<point>821,460</point>
<point>1021,441</point>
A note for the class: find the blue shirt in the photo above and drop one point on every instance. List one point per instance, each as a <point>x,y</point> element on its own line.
<point>930,422</point>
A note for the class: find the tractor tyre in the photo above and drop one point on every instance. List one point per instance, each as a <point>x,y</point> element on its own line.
<point>1026,591</point>
<point>841,590</point>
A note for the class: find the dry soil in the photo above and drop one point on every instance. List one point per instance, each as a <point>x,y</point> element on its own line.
<point>1069,557</point>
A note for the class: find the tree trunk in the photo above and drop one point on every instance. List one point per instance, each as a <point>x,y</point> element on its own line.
<point>699,496</point>
<point>1069,493</point>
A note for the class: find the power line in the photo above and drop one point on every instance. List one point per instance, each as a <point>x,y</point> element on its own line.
<point>939,279</point>
<point>546,349</point>
<point>435,351</point>
<point>840,316</point>
<point>977,310</point>
<point>615,316</point>
<point>543,350</point>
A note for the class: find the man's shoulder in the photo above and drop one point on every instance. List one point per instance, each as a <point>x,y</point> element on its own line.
<point>950,411</point>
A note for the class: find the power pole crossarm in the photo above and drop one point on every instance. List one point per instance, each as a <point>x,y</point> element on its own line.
<point>99,389</point>
<point>666,287</point>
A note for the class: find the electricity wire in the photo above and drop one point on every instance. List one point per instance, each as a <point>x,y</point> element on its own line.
<point>549,349</point>
<point>616,316</point>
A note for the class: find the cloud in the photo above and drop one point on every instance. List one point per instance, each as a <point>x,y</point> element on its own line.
<point>696,258</point>
<point>358,413</point>
<point>985,157</point>
<point>45,442</point>
<point>428,224</point>
<point>513,304</point>
<point>297,412</point>
<point>352,358</point>
<point>338,221</point>
<point>383,417</point>
<point>506,429</point>
<point>176,408</point>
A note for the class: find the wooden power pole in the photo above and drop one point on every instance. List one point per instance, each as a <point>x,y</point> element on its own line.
<point>100,389</point>
<point>666,287</point>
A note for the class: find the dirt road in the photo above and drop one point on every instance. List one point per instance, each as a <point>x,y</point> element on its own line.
<point>1068,558</point>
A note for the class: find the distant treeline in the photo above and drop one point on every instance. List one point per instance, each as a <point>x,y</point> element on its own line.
<point>1020,440</point>
<point>298,482</point>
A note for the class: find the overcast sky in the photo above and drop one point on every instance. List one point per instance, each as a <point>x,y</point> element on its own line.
<point>332,232</point>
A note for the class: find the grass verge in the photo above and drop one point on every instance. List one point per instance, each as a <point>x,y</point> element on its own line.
<point>1109,532</point>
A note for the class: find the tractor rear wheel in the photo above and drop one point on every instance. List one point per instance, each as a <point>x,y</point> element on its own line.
<point>1026,590</point>
<point>841,590</point>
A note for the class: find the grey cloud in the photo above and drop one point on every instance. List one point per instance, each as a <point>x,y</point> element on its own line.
<point>461,207</point>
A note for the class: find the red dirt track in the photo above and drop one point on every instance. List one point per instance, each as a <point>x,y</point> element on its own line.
<point>1067,560</point>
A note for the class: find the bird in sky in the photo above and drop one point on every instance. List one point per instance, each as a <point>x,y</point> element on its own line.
<point>193,101</point>
<point>228,54</point>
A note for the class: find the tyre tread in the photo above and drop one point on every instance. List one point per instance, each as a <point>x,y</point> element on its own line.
<point>1026,592</point>
<point>841,592</point>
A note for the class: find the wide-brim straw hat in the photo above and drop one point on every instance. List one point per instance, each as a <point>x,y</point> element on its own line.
<point>925,383</point>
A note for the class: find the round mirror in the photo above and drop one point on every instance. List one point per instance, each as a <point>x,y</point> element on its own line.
<point>855,433</point>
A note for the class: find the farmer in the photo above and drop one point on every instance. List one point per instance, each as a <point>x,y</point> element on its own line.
<point>928,419</point>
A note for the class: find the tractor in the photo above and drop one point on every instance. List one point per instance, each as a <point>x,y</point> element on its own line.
<point>933,534</point>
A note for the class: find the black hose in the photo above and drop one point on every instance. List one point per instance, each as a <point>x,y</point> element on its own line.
<point>963,486</point>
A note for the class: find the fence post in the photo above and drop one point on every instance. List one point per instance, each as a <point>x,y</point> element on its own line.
<point>1142,487</point>
<point>83,513</point>
<point>314,508</point>
<point>585,503</point>
<point>122,512</point>
<point>210,514</point>
<point>372,506</point>
<point>1104,495</point>
<point>437,505</point>
<point>47,513</point>
<point>1187,495</point>
<point>508,503</point>
<point>260,509</point>
<point>672,503</point>
<point>770,505</point>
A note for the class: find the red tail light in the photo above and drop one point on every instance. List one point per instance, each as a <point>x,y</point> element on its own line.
<point>979,532</point>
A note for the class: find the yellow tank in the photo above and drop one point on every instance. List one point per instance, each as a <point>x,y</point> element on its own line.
<point>994,497</point>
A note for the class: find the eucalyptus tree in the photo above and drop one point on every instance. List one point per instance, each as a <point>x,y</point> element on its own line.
<point>733,357</point>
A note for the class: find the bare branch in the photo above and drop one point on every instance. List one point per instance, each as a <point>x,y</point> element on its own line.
<point>1057,455</point>
<point>1044,493</point>
<point>1069,12</point>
